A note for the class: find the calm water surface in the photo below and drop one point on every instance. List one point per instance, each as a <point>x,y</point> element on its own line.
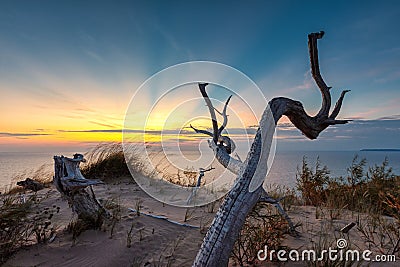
<point>283,171</point>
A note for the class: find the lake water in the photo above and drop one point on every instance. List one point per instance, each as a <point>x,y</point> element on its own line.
<point>283,171</point>
<point>24,164</point>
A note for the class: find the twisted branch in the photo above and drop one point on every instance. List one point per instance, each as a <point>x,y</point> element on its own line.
<point>224,115</point>
<point>220,238</point>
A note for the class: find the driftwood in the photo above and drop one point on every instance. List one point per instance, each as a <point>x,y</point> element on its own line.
<point>30,184</point>
<point>70,182</point>
<point>246,192</point>
<point>163,218</point>
<point>194,191</point>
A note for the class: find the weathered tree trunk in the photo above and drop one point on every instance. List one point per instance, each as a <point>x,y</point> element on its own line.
<point>70,182</point>
<point>228,222</point>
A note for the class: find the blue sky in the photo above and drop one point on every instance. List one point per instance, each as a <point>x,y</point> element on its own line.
<point>74,65</point>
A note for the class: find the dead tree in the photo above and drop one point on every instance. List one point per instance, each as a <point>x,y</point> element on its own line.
<point>194,191</point>
<point>240,200</point>
<point>70,182</point>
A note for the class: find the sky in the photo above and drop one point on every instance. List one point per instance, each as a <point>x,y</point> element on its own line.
<point>69,69</point>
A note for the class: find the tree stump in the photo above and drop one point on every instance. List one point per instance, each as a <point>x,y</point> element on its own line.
<point>70,182</point>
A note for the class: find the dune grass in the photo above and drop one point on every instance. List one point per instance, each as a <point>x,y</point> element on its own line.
<point>263,227</point>
<point>106,162</point>
<point>24,221</point>
<point>361,190</point>
<point>42,175</point>
<point>373,194</point>
<point>374,191</point>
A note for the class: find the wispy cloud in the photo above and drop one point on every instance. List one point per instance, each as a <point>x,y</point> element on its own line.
<point>102,124</point>
<point>173,131</point>
<point>380,110</point>
<point>8,134</point>
<point>388,76</point>
<point>95,56</point>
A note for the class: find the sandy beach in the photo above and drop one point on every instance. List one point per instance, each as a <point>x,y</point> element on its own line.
<point>158,242</point>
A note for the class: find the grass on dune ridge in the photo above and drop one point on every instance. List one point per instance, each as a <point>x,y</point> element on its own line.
<point>373,193</point>
<point>105,161</point>
<point>371,190</point>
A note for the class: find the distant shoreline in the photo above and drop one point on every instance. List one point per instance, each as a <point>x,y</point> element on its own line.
<point>381,149</point>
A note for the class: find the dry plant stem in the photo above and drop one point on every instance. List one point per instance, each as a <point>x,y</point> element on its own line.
<point>221,236</point>
<point>276,202</point>
<point>194,190</point>
<point>72,185</point>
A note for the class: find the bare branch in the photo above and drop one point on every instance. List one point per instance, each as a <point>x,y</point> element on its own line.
<point>223,114</point>
<point>201,131</point>
<point>238,157</point>
<point>313,50</point>
<point>202,87</point>
<point>338,105</point>
<point>276,202</point>
<point>311,127</point>
<point>216,135</point>
<point>207,170</point>
<point>229,144</point>
<point>222,146</point>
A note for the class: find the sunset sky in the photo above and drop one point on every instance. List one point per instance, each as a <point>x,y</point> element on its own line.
<point>68,70</point>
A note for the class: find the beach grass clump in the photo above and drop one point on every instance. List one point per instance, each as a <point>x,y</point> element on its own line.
<point>114,207</point>
<point>188,177</point>
<point>23,221</point>
<point>13,224</point>
<point>42,175</point>
<point>106,162</point>
<point>361,190</point>
<point>312,184</point>
<point>263,227</point>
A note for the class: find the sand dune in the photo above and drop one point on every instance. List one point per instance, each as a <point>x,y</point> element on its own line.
<point>157,242</point>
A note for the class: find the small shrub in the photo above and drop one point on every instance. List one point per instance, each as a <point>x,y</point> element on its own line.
<point>261,228</point>
<point>360,191</point>
<point>312,185</point>
<point>23,223</point>
<point>356,171</point>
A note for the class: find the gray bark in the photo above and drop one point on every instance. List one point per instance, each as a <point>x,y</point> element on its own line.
<point>70,182</point>
<point>221,237</point>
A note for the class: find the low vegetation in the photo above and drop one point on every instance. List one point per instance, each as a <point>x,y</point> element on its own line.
<point>373,192</point>
<point>105,162</point>
<point>369,191</point>
<point>263,227</point>
<point>41,175</point>
<point>24,221</point>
